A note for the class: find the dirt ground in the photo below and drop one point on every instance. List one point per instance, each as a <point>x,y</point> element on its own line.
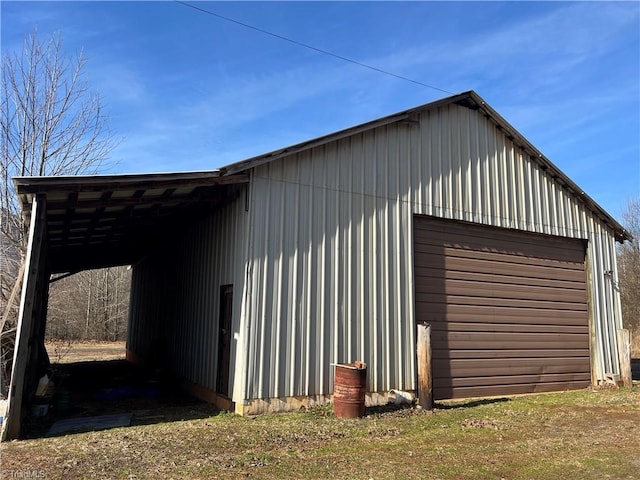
<point>68,352</point>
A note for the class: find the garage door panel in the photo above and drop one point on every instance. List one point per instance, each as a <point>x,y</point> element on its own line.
<point>427,298</point>
<point>497,314</point>
<point>450,327</point>
<point>511,389</point>
<point>503,273</point>
<point>480,355</point>
<point>498,340</point>
<point>502,246</point>
<point>493,368</point>
<point>492,289</point>
<point>500,240</point>
<point>434,256</point>
<point>508,309</point>
<point>505,380</point>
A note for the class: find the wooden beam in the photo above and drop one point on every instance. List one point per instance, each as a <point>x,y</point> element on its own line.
<point>122,202</point>
<point>28,308</point>
<point>12,297</point>
<point>425,379</point>
<point>592,329</point>
<point>624,356</point>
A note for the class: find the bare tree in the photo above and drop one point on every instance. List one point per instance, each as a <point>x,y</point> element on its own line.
<point>629,272</point>
<point>51,123</point>
<point>91,305</point>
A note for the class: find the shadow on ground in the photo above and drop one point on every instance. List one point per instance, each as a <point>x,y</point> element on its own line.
<point>89,389</point>
<point>470,403</point>
<point>448,405</point>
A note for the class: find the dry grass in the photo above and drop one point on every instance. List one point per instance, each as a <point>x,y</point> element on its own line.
<point>589,434</point>
<point>61,351</point>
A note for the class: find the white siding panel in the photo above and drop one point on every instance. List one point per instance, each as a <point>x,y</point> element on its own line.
<point>330,254</point>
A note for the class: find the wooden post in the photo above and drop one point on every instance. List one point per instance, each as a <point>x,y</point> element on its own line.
<point>425,382</point>
<point>624,356</point>
<point>28,307</point>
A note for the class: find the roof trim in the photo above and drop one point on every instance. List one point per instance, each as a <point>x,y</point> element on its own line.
<point>26,185</point>
<point>331,137</point>
<point>469,99</point>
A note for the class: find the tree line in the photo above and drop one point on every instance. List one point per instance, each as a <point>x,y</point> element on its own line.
<point>90,305</point>
<point>629,273</point>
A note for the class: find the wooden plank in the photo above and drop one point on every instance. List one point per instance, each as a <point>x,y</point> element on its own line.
<point>11,425</point>
<point>425,382</point>
<point>12,297</point>
<point>624,356</point>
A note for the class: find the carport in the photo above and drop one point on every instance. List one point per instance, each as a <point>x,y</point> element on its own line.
<point>84,222</point>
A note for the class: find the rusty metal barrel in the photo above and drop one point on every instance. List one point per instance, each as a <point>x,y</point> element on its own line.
<point>349,388</point>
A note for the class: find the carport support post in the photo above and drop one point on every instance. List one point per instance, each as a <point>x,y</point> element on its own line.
<point>425,381</point>
<point>624,356</point>
<point>30,306</point>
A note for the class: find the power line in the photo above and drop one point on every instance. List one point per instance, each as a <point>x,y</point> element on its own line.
<point>310,47</point>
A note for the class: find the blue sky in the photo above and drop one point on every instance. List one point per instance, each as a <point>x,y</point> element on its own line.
<point>188,91</point>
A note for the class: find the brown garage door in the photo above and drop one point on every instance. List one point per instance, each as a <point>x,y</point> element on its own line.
<point>508,309</point>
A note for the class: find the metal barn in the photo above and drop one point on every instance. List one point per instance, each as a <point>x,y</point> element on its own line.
<point>250,281</point>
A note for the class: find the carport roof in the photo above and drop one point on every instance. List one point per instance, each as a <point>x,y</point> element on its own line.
<point>107,220</point>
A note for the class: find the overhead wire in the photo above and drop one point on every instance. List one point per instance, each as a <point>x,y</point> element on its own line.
<point>310,47</point>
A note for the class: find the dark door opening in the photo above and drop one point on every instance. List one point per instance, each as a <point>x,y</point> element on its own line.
<point>224,339</point>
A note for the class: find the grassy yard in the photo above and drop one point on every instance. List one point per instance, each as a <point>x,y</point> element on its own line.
<point>589,434</point>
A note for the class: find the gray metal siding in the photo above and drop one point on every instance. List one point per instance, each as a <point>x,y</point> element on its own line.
<point>175,296</point>
<point>330,252</point>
